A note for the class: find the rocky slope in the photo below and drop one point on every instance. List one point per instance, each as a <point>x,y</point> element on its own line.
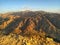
<point>30,28</point>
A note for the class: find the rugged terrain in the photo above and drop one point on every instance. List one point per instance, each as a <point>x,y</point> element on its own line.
<point>30,28</point>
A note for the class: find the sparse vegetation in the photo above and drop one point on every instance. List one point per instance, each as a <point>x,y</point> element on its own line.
<point>30,28</point>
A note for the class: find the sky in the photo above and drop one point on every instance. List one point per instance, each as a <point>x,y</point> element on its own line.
<point>19,5</point>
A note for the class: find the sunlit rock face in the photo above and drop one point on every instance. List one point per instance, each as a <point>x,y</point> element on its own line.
<point>30,28</point>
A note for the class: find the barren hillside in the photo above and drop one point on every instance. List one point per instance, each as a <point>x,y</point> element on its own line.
<point>30,28</point>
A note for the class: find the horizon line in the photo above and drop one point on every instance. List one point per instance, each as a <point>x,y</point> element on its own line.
<point>51,11</point>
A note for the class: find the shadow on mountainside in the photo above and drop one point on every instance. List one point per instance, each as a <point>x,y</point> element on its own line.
<point>12,26</point>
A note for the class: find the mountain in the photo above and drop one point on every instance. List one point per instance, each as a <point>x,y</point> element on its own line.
<point>42,28</point>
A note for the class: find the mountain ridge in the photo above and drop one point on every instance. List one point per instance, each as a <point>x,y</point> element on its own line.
<point>31,23</point>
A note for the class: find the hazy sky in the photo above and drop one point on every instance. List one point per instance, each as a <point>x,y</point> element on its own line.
<point>17,5</point>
